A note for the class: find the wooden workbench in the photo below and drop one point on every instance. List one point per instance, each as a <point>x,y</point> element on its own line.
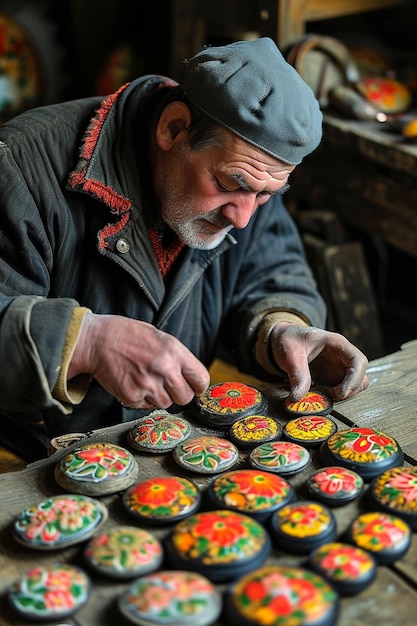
<point>391,600</point>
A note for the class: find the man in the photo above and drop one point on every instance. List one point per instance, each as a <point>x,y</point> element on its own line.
<point>141,231</point>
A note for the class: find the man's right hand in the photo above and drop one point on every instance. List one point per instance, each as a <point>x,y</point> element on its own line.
<point>138,364</point>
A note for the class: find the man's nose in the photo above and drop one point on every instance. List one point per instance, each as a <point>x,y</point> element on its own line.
<point>240,211</point>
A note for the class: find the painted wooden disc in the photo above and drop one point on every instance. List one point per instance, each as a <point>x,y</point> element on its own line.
<point>206,454</point>
<point>302,526</point>
<point>124,552</point>
<point>96,469</point>
<point>251,491</point>
<point>335,485</point>
<point>395,491</point>
<point>387,536</point>
<point>59,521</point>
<point>50,592</point>
<point>224,403</point>
<point>387,94</point>
<point>162,500</point>
<point>158,432</point>
<point>281,457</point>
<point>287,595</point>
<point>362,449</point>
<point>348,568</point>
<point>173,598</point>
<point>309,431</point>
<point>219,544</point>
<point>22,80</point>
<point>315,402</point>
<point>252,430</point>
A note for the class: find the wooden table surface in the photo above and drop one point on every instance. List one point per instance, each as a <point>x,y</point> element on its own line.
<point>389,404</point>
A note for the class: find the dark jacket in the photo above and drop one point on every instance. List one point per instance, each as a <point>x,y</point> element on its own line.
<point>74,209</point>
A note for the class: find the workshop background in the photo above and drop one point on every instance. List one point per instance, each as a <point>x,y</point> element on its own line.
<point>366,267</point>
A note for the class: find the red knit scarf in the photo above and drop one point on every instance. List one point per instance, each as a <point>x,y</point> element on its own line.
<point>165,256</point>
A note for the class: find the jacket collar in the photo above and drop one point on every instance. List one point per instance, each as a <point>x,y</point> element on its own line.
<point>91,174</point>
<point>96,175</point>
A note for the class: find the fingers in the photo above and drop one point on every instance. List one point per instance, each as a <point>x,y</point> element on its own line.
<point>315,356</point>
<point>353,378</point>
<point>173,388</point>
<point>140,365</point>
<point>292,358</point>
<point>343,392</point>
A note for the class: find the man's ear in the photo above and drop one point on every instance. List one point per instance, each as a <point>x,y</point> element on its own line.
<point>173,121</point>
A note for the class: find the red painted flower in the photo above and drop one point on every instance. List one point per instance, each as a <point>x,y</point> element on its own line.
<point>303,514</point>
<point>387,532</point>
<point>332,480</point>
<point>312,402</point>
<point>260,483</point>
<point>255,591</point>
<point>59,599</point>
<point>156,491</point>
<point>346,561</point>
<point>281,605</point>
<point>221,530</point>
<point>101,454</point>
<point>235,395</point>
<point>380,440</point>
<point>368,438</point>
<point>406,482</point>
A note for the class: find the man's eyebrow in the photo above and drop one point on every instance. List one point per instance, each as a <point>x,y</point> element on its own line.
<point>243,184</point>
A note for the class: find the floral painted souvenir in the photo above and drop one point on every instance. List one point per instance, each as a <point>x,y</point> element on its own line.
<point>22,79</point>
<point>171,598</point>
<point>162,500</point>
<point>309,431</point>
<point>315,402</point>
<point>395,491</point>
<point>59,521</point>
<point>387,536</point>
<point>348,568</point>
<point>50,592</point>
<point>218,544</point>
<point>335,485</point>
<point>252,430</point>
<point>206,454</point>
<point>302,526</point>
<point>224,403</point>
<point>363,450</point>
<point>281,457</point>
<point>385,93</point>
<point>250,491</point>
<point>124,552</point>
<point>158,432</point>
<point>282,596</point>
<point>96,469</point>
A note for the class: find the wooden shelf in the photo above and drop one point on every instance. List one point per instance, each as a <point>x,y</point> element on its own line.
<point>292,15</point>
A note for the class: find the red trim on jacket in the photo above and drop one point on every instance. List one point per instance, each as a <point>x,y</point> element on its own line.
<point>165,256</point>
<point>117,203</point>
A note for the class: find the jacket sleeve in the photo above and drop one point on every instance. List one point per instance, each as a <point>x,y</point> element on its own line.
<point>32,336</point>
<point>33,327</point>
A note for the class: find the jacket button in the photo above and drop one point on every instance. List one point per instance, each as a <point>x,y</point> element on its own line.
<point>123,246</point>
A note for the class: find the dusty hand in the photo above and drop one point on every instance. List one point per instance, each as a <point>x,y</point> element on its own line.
<point>314,356</point>
<point>138,364</point>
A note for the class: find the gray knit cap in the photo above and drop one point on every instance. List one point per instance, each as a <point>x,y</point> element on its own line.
<point>249,88</point>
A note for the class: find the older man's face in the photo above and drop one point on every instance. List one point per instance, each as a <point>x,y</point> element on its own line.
<point>204,194</point>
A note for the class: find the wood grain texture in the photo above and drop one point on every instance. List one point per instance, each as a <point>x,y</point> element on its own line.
<point>388,404</point>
